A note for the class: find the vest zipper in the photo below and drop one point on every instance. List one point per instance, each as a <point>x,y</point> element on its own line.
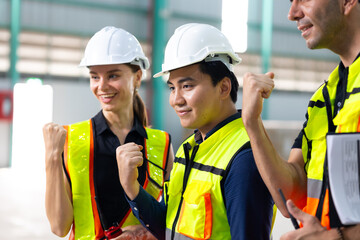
<point>189,162</point>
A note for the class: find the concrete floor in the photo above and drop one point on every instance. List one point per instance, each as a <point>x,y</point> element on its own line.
<point>22,211</point>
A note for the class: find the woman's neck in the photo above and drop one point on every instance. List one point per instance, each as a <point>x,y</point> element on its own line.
<point>120,123</point>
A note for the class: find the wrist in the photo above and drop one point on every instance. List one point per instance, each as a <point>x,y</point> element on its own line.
<point>53,162</point>
<point>53,155</point>
<point>132,191</point>
<point>251,122</point>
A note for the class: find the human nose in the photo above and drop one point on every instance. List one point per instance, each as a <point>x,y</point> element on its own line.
<point>102,83</point>
<point>295,13</point>
<point>176,98</point>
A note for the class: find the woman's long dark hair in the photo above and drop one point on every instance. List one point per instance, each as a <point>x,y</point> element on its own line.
<point>139,105</point>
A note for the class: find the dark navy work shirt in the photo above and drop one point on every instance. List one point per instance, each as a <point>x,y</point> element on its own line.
<point>247,200</point>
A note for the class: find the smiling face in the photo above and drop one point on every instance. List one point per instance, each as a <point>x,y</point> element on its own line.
<point>320,22</point>
<point>194,98</point>
<point>114,85</point>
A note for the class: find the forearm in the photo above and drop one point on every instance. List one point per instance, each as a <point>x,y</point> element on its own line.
<point>58,204</point>
<point>131,189</point>
<point>274,170</point>
<point>146,209</point>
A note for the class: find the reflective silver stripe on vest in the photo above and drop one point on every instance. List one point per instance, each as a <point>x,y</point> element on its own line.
<point>177,236</point>
<point>314,188</point>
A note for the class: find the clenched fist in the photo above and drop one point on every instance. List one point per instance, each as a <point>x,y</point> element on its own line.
<point>256,87</point>
<point>54,138</point>
<point>129,157</point>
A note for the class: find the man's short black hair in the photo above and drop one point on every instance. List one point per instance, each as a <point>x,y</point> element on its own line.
<point>217,71</point>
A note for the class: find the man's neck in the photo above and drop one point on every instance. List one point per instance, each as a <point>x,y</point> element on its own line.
<point>349,48</point>
<point>349,58</point>
<point>227,112</point>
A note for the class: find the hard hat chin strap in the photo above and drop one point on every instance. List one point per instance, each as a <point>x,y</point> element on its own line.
<point>224,58</point>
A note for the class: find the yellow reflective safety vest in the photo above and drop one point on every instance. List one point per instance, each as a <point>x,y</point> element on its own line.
<point>195,206</point>
<point>319,123</point>
<point>79,162</point>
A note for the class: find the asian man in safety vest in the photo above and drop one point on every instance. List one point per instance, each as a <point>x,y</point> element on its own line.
<point>215,190</point>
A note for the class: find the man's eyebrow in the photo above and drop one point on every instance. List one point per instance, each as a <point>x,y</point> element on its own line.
<point>111,71</point>
<point>185,79</point>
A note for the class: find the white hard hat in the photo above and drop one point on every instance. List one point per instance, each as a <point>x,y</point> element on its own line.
<point>113,45</point>
<point>195,42</point>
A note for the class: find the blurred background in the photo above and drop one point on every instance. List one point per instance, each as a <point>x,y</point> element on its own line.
<point>42,43</point>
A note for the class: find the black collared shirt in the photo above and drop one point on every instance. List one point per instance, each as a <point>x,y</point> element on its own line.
<point>112,205</point>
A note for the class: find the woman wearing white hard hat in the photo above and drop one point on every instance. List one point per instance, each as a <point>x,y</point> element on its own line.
<point>83,191</point>
<point>215,190</point>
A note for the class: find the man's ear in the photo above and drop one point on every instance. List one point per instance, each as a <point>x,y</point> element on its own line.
<point>349,5</point>
<point>225,87</point>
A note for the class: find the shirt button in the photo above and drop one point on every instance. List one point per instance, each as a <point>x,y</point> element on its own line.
<point>339,104</point>
<point>135,209</point>
<point>147,225</point>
